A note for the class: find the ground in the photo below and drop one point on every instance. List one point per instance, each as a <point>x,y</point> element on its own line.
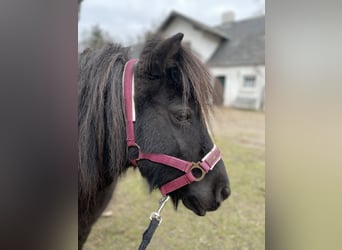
<point>238,224</point>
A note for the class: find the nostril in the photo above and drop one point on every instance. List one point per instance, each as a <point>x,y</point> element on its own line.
<point>225,193</point>
<point>222,193</point>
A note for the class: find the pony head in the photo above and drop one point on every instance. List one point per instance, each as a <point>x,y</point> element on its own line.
<point>172,95</point>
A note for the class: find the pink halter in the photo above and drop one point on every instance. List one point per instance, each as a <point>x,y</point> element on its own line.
<point>206,164</point>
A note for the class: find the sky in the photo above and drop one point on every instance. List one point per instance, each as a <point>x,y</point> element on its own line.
<point>125,20</point>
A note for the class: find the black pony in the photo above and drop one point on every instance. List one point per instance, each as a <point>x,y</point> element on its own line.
<point>172,96</point>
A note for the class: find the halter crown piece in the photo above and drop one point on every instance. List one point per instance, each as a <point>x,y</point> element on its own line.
<point>206,164</point>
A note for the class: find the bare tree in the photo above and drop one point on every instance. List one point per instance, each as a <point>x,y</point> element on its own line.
<point>96,38</point>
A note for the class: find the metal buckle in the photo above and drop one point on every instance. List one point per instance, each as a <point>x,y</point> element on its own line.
<point>196,165</point>
<point>156,215</point>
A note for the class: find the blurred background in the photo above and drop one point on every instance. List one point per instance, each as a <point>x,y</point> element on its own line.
<point>229,37</point>
<point>38,90</point>
<point>129,21</point>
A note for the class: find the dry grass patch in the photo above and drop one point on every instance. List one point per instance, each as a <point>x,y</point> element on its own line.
<point>238,224</point>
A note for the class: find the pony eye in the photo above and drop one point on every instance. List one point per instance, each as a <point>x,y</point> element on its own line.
<point>183,116</point>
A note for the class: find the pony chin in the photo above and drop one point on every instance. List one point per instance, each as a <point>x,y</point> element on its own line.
<point>191,202</point>
<point>198,207</point>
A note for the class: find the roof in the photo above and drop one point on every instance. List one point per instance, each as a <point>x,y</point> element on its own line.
<point>245,46</point>
<point>243,42</point>
<point>174,14</point>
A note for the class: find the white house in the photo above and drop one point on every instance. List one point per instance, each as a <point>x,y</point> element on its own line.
<point>234,52</point>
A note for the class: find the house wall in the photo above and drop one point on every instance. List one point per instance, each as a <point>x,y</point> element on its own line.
<point>234,93</point>
<point>202,43</point>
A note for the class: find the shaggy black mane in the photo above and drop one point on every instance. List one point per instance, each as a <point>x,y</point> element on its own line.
<point>101,119</point>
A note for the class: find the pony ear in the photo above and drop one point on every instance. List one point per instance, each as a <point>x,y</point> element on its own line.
<point>169,47</point>
<point>165,51</point>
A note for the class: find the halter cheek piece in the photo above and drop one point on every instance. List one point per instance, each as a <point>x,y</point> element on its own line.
<point>206,164</point>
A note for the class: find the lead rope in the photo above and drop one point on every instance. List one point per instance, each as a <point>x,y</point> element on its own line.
<point>156,219</point>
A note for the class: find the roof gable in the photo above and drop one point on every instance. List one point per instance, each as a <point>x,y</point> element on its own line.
<point>246,44</point>
<point>174,14</point>
<point>239,43</point>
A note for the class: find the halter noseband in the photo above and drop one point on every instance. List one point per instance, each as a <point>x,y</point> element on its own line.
<point>206,164</point>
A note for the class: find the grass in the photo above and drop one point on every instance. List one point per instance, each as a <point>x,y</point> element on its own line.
<point>238,224</point>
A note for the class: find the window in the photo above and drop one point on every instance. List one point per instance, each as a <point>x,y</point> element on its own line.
<point>249,82</point>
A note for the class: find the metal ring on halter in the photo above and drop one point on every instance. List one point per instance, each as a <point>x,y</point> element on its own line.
<point>134,155</point>
<point>196,165</point>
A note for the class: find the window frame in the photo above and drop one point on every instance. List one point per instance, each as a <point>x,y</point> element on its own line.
<point>249,86</point>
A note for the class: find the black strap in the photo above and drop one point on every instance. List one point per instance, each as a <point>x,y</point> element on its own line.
<point>147,236</point>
